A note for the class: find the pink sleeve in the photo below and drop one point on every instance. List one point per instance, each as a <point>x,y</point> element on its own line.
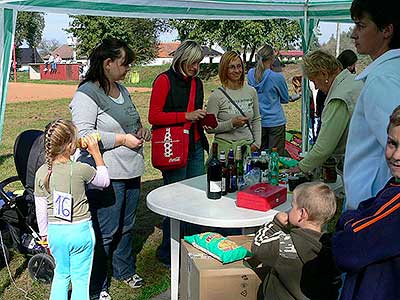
<point>41,214</point>
<point>101,179</point>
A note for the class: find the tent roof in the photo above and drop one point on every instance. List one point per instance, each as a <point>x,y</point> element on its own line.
<point>325,10</point>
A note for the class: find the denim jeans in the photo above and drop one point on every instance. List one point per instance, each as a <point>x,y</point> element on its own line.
<point>113,212</point>
<point>193,168</point>
<point>72,246</point>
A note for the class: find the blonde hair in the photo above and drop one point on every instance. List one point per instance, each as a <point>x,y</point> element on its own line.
<point>59,134</point>
<point>265,53</point>
<point>318,199</point>
<point>188,52</point>
<point>224,65</point>
<point>318,61</point>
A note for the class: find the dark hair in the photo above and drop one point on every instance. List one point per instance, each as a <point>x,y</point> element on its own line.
<point>108,48</point>
<point>382,13</point>
<point>394,119</point>
<point>347,58</point>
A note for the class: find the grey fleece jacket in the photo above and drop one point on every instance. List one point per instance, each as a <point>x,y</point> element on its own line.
<point>93,111</point>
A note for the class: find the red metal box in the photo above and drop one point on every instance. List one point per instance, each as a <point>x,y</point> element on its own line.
<point>261,196</point>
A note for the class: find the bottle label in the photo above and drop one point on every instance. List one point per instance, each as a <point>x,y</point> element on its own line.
<point>223,184</point>
<point>215,186</point>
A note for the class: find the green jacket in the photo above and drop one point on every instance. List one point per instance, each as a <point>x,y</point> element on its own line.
<point>332,138</point>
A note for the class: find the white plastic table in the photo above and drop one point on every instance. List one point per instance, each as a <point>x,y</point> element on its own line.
<point>187,201</point>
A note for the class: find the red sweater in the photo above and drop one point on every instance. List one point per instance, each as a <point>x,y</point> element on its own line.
<point>157,116</point>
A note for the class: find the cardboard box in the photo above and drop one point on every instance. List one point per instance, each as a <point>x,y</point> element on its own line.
<point>262,196</point>
<point>202,277</point>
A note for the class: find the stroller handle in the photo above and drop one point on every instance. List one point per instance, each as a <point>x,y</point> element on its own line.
<point>3,194</point>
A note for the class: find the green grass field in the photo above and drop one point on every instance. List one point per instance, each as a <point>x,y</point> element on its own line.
<point>147,236</point>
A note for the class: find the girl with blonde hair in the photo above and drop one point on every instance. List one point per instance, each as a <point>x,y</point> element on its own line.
<point>62,208</point>
<point>272,91</point>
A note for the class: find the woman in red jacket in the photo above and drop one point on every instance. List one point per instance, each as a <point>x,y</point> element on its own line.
<point>168,106</point>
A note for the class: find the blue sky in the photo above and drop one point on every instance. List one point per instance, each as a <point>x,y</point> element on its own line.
<point>56,22</point>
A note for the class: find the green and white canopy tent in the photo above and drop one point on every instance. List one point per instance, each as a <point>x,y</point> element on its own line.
<point>308,12</point>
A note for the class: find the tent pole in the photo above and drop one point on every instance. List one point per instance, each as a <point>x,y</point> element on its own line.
<point>15,62</point>
<point>304,103</point>
<point>8,19</point>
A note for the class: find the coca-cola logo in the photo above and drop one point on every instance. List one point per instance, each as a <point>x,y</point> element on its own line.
<point>175,159</point>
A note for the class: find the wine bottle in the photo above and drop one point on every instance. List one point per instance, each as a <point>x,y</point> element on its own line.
<point>214,175</point>
<point>263,163</point>
<point>225,176</point>
<point>239,167</point>
<point>231,186</point>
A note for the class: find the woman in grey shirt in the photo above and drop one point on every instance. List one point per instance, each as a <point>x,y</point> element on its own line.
<point>103,105</point>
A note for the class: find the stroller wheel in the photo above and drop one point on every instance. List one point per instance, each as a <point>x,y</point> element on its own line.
<point>4,255</point>
<point>41,267</point>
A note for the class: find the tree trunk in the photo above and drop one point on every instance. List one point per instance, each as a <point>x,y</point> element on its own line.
<point>244,54</point>
<point>253,51</point>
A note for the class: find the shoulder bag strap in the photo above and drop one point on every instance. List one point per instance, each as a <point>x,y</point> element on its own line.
<point>239,109</point>
<point>191,103</point>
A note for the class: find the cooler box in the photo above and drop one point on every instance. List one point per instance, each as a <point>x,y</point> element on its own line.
<point>261,196</point>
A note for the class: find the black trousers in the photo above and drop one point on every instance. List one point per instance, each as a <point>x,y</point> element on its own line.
<point>273,137</point>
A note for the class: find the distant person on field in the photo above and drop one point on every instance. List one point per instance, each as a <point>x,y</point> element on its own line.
<point>365,244</point>
<point>294,250</point>
<point>57,60</point>
<point>376,33</point>
<point>49,63</point>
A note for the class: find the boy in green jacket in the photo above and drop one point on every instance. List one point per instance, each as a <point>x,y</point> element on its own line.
<point>296,252</point>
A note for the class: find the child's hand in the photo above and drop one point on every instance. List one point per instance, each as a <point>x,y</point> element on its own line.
<point>283,218</point>
<point>43,241</point>
<point>92,144</point>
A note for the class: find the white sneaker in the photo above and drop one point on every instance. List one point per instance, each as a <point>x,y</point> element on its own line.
<point>104,295</point>
<point>135,281</point>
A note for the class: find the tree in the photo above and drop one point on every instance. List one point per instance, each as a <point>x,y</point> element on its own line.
<point>140,34</point>
<point>29,28</point>
<point>345,43</point>
<point>45,47</point>
<point>242,36</point>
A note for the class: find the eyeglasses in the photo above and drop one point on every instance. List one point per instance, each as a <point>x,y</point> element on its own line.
<point>235,67</point>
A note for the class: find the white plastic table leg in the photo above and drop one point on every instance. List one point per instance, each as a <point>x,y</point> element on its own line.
<point>175,245</point>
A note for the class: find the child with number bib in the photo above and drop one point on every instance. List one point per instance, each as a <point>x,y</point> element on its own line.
<point>62,208</point>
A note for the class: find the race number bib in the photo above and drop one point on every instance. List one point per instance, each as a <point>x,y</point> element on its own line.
<point>62,205</point>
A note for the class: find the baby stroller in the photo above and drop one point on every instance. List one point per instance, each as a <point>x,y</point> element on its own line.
<point>18,223</point>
